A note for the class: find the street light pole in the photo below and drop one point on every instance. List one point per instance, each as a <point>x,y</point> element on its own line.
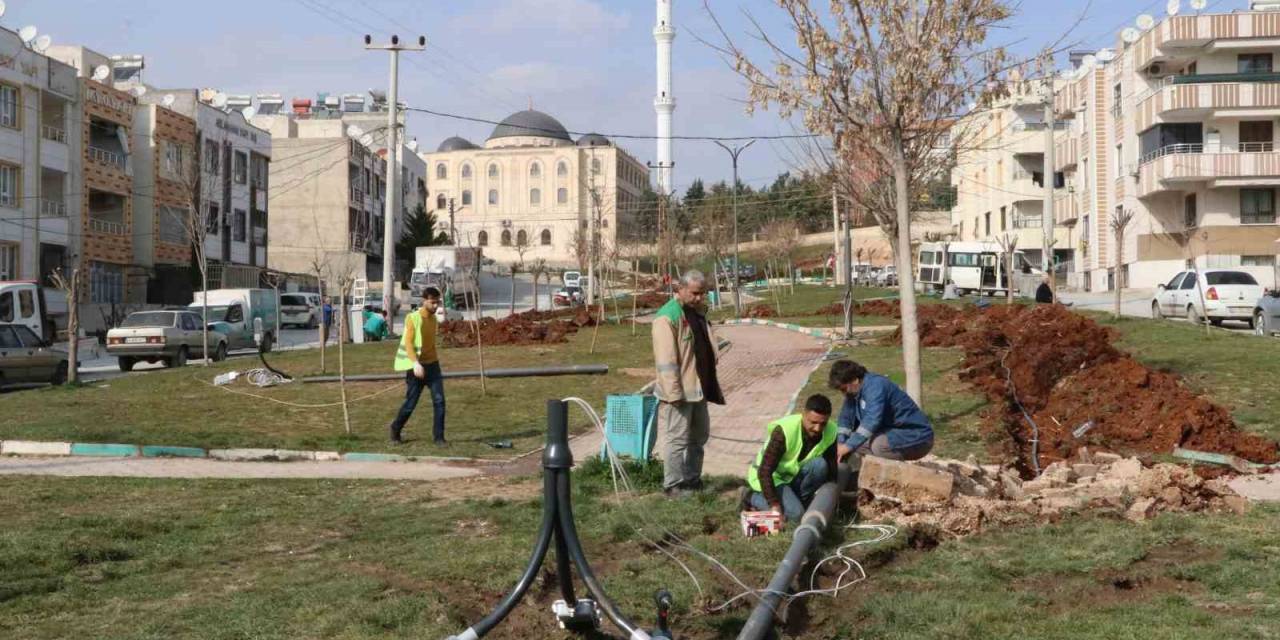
<point>393,164</point>
<point>737,279</point>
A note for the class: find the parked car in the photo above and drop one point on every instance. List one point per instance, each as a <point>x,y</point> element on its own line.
<point>27,358</point>
<point>1266,314</point>
<point>1228,295</point>
<point>163,336</point>
<point>568,296</point>
<point>298,309</point>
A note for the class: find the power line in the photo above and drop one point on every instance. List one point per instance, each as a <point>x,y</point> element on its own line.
<point>623,136</point>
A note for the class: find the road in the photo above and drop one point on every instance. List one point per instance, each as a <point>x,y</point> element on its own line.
<point>1133,302</point>
<point>495,302</point>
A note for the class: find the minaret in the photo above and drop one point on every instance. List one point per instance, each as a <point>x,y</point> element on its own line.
<point>664,103</point>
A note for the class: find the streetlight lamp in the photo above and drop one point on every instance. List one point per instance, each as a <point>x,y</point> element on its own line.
<point>733,153</point>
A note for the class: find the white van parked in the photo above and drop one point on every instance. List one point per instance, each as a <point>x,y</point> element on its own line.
<point>974,267</point>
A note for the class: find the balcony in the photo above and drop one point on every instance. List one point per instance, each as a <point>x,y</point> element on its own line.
<point>1066,207</point>
<point>1213,96</point>
<point>1066,152</point>
<point>108,158</point>
<point>1168,168</point>
<point>53,208</point>
<point>1204,33</point>
<point>357,197</point>
<point>53,134</point>
<point>108,227</point>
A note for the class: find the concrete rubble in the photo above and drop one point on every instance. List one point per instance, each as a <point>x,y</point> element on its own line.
<point>959,498</point>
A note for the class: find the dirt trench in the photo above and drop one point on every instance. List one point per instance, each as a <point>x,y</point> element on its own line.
<point>1063,371</point>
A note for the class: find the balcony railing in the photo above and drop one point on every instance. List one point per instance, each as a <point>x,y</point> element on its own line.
<point>1058,125</point>
<point>102,156</point>
<point>1256,147</point>
<point>357,195</point>
<point>53,133</point>
<point>1218,168</point>
<point>1195,147</point>
<point>109,227</point>
<point>52,208</point>
<point>1027,222</point>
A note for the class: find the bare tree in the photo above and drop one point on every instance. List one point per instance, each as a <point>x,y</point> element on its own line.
<point>71,287</point>
<point>345,277</point>
<point>883,81</point>
<point>521,247</point>
<point>1119,222</point>
<point>196,225</point>
<point>537,268</point>
<point>1008,244</point>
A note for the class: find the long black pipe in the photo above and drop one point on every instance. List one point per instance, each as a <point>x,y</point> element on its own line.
<point>517,372</point>
<point>807,534</point>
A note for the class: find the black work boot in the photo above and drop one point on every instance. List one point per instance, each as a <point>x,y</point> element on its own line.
<point>395,434</point>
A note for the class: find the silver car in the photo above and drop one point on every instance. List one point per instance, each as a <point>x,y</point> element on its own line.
<point>1266,314</point>
<point>162,336</point>
<point>26,358</point>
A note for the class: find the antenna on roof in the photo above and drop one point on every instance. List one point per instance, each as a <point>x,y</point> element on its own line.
<point>248,113</point>
<point>139,91</point>
<point>1130,35</point>
<point>28,33</point>
<point>101,72</point>
<point>1145,22</point>
<point>168,100</point>
<point>42,43</point>
<point>2,8</point>
<point>219,100</point>
<point>354,131</point>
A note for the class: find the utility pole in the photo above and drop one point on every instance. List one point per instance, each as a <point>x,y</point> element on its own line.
<point>591,237</point>
<point>453,234</point>
<point>737,277</point>
<point>838,260</point>
<point>846,263</point>
<point>1046,219</point>
<point>393,165</point>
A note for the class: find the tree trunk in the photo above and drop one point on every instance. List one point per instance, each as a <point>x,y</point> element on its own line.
<point>1008,275</point>
<point>635,293</point>
<point>513,292</point>
<point>324,324</point>
<point>535,292</point>
<point>906,279</point>
<point>1119,263</point>
<point>204,311</point>
<point>342,371</point>
<point>73,328</point>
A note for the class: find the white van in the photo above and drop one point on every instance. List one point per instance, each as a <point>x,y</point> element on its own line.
<point>977,267</point>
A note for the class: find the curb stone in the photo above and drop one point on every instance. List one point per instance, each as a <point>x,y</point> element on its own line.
<point>111,450</point>
<point>33,448</point>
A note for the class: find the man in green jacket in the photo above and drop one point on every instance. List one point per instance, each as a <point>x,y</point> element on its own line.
<point>684,357</point>
<point>798,456</point>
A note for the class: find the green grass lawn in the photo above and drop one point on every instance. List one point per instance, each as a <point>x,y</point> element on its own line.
<point>182,408</point>
<point>142,559</point>
<point>801,307</point>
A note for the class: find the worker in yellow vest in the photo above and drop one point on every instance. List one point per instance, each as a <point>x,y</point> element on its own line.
<point>798,456</point>
<point>417,358</point>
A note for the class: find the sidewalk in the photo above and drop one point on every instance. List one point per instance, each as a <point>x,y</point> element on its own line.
<point>760,375</point>
<point>205,468</point>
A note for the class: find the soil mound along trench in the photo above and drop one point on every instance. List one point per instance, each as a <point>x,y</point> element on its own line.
<point>1067,373</point>
<point>531,327</point>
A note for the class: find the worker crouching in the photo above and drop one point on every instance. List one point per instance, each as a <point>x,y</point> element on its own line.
<point>798,456</point>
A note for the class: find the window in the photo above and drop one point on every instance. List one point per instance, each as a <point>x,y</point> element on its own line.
<point>1189,210</point>
<point>1173,284</point>
<point>173,153</point>
<point>1117,99</point>
<point>10,183</point>
<point>482,239</point>
<point>212,159</point>
<point>466,171</point>
<point>240,167</point>
<point>172,225</point>
<point>26,303</point>
<point>190,322</point>
<point>1256,136</point>
<point>1117,170</point>
<point>1257,261</point>
<point>28,337</point>
<point>1189,282</point>
<point>535,170</point>
<point>106,283</point>
<point>211,224</point>
<point>6,307</point>
<point>441,201</point>
<point>595,165</point>
<point>1257,206</point>
<point>235,313</point>
<point>238,228</point>
<point>506,237</point>
<point>8,337</point>
<point>546,237</point>
<point>535,197</point>
<point>962,259</point>
<point>522,238</point>
<point>259,166</point>
<point>442,171</point>
<point>10,106</point>
<point>1253,63</point>
<point>466,197</point>
<point>562,168</point>
<point>493,196</point>
<point>1216,278</point>
<point>987,222</point>
<point>493,171</point>
<point>562,196</point>
<point>1003,226</point>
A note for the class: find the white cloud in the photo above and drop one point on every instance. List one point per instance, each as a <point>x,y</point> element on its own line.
<point>578,18</point>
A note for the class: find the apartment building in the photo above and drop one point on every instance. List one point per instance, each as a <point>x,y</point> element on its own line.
<point>41,142</point>
<point>1179,125</point>
<point>330,176</point>
<point>163,185</point>
<point>1000,172</point>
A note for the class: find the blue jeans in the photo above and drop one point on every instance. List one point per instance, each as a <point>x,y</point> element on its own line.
<point>413,391</point>
<point>796,494</point>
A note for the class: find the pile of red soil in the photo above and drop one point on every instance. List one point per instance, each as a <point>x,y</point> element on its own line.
<point>887,308</point>
<point>1065,372</point>
<point>761,311</point>
<point>651,300</point>
<point>532,327</point>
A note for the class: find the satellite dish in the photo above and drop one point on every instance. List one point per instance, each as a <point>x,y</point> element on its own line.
<point>1089,61</point>
<point>973,106</point>
<point>354,131</point>
<point>367,139</point>
<point>1067,74</point>
<point>138,91</point>
<point>1145,22</point>
<point>1130,35</point>
<point>219,100</point>
<point>42,43</point>
<point>2,7</point>
<point>28,33</point>
<point>1198,5</point>
<point>1173,7</point>
<point>101,72</point>
<point>168,100</point>
<point>1106,55</point>
<point>249,113</point>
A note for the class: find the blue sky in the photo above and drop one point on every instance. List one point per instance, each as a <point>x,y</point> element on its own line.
<point>590,63</point>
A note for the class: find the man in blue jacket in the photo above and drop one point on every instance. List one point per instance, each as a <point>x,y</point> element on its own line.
<point>878,418</point>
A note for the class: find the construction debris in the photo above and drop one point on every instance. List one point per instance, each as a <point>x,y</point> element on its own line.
<point>989,495</point>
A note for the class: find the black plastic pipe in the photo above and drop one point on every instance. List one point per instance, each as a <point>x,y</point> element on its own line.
<point>517,372</point>
<point>807,534</point>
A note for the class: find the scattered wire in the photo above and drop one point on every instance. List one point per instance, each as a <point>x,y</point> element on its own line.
<point>1035,430</point>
